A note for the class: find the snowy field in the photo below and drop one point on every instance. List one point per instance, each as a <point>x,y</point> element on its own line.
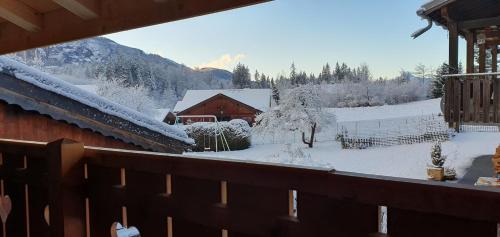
<point>400,161</point>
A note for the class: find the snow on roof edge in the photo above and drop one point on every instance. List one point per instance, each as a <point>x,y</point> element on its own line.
<point>58,86</point>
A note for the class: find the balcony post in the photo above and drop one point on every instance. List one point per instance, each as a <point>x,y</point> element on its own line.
<point>469,37</point>
<point>66,193</point>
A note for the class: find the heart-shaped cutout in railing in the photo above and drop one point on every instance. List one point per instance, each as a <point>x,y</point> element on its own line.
<point>117,230</point>
<point>5,208</point>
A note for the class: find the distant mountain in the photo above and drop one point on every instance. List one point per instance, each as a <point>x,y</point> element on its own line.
<point>91,60</point>
<point>217,73</point>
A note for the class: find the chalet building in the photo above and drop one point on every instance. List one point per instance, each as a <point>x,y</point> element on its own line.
<point>471,98</point>
<point>224,104</point>
<point>37,107</point>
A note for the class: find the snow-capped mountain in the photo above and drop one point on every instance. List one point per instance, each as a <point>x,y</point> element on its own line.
<point>94,59</point>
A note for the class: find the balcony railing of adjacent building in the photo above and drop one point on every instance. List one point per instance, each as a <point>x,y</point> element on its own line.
<point>472,99</point>
<point>82,191</point>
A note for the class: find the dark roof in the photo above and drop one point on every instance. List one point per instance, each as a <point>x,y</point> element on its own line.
<point>220,95</point>
<point>465,12</point>
<point>34,98</point>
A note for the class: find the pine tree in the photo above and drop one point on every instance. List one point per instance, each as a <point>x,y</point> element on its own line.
<point>293,74</point>
<point>437,159</point>
<point>439,81</point>
<point>276,93</point>
<point>437,90</point>
<point>241,76</point>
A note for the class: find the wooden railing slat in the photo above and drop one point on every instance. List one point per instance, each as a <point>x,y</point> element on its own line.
<point>331,217</point>
<point>16,223</point>
<point>140,187</point>
<point>417,224</point>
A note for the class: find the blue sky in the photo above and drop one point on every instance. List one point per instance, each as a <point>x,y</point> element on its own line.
<point>270,36</point>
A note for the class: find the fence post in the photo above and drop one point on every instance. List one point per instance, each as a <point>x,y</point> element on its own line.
<point>66,194</point>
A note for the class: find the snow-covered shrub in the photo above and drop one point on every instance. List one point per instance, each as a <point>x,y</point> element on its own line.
<point>237,133</point>
<point>134,97</point>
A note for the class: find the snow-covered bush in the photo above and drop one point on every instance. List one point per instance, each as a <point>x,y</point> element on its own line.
<point>372,93</point>
<point>237,133</point>
<point>300,110</point>
<point>134,97</point>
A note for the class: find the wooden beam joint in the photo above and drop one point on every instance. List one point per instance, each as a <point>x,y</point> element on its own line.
<point>85,9</point>
<point>21,15</point>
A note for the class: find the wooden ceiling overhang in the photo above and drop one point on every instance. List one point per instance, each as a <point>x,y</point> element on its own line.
<point>26,24</point>
<point>470,16</point>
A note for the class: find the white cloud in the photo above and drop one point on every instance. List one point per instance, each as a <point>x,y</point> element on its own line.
<point>225,61</point>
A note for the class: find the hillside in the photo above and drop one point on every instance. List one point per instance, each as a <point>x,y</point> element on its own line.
<point>91,60</point>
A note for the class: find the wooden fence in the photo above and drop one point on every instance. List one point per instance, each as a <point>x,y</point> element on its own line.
<point>472,100</point>
<point>87,189</point>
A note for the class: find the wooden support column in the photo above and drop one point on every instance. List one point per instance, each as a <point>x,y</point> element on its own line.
<point>470,52</point>
<point>482,58</point>
<point>494,55</point>
<point>453,93</point>
<point>66,192</point>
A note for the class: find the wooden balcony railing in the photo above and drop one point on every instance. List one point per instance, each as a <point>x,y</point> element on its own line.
<point>87,189</point>
<point>472,99</point>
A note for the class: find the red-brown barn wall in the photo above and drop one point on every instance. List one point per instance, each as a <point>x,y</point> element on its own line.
<point>18,124</point>
<point>231,110</point>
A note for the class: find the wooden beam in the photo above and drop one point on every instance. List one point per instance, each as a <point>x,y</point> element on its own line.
<point>482,58</point>
<point>470,52</point>
<point>115,15</point>
<point>85,9</point>
<point>494,57</point>
<point>480,23</point>
<point>453,47</point>
<point>21,15</point>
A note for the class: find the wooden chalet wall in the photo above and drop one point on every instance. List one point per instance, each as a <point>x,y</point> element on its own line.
<point>225,108</point>
<point>18,124</point>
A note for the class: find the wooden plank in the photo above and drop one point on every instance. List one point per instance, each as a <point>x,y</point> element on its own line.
<point>453,47</point>
<point>66,197</point>
<point>38,197</point>
<point>482,58</point>
<point>116,15</point>
<point>457,94</point>
<point>105,209</point>
<point>486,100</point>
<point>17,222</point>
<point>330,217</point>
<point>496,106</point>
<point>494,58</point>
<point>201,193</point>
<point>265,203</point>
<point>85,9</point>
<point>20,15</point>
<point>447,100</point>
<point>466,100</point>
<point>417,224</point>
<point>141,213</point>
<point>470,52</point>
<point>477,99</point>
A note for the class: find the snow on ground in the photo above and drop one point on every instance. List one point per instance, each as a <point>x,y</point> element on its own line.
<point>419,108</point>
<point>408,161</point>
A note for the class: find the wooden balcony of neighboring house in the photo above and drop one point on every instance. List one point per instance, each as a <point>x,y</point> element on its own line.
<point>66,189</point>
<point>472,97</point>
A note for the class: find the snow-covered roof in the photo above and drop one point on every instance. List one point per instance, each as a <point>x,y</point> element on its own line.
<point>434,4</point>
<point>257,98</point>
<point>47,82</point>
